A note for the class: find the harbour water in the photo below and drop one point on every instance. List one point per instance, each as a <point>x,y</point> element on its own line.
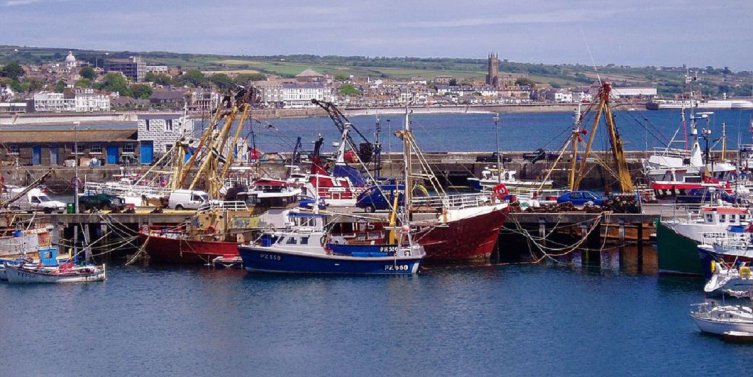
<point>640,130</point>
<point>514,320</point>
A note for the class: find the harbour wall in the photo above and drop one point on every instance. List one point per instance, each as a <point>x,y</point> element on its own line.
<point>453,168</point>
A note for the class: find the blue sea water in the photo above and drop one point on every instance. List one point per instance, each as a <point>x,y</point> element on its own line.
<point>640,130</point>
<point>513,320</point>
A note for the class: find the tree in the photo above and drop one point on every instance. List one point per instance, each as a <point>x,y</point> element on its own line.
<point>349,90</point>
<point>87,73</point>
<point>115,82</point>
<point>341,77</point>
<point>525,81</point>
<point>193,77</point>
<point>32,84</point>
<point>83,83</point>
<point>222,81</point>
<point>159,79</point>
<point>141,91</point>
<point>60,86</point>
<point>12,71</point>
<point>453,82</point>
<point>244,78</point>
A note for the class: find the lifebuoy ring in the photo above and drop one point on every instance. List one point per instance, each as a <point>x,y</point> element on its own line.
<point>500,191</point>
<point>210,229</point>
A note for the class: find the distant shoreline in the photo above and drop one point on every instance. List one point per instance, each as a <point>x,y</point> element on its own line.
<point>467,109</point>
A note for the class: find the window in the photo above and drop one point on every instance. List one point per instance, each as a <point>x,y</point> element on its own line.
<point>80,148</point>
<point>146,125</point>
<point>13,149</point>
<point>304,240</point>
<point>129,148</point>
<point>168,125</point>
<point>95,149</point>
<point>722,218</point>
<point>292,241</point>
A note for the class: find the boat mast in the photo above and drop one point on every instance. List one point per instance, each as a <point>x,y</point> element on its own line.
<point>407,149</point>
<point>575,140</point>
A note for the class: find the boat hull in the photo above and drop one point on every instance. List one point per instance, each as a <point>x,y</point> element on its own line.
<point>676,253</point>
<point>18,275</point>
<point>463,240</point>
<point>179,250</point>
<point>263,259</point>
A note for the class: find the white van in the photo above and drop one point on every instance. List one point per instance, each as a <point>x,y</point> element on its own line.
<point>35,200</point>
<point>187,199</point>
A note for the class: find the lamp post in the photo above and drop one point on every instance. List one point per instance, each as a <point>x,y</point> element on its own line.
<point>496,138</point>
<point>75,166</point>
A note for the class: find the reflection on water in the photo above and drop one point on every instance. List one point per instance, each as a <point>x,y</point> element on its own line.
<point>480,320</point>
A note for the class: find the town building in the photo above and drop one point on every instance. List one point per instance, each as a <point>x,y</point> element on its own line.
<point>292,94</point>
<point>72,100</point>
<point>492,76</point>
<point>133,68</point>
<point>52,146</point>
<point>158,133</point>
<point>70,61</point>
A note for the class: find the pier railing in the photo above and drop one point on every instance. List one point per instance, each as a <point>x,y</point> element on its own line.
<point>455,201</point>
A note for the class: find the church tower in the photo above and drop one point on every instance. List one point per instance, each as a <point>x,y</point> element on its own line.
<point>492,77</point>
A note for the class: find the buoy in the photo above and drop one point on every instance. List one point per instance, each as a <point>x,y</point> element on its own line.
<point>500,191</point>
<point>745,272</point>
<point>713,266</point>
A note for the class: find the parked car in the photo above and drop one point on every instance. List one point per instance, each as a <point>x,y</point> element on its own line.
<point>581,198</point>
<point>493,158</point>
<point>101,202</point>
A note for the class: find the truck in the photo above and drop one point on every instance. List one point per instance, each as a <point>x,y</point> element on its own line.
<point>34,200</point>
<point>100,202</point>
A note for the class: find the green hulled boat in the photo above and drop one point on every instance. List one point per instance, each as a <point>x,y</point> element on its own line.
<point>677,254</point>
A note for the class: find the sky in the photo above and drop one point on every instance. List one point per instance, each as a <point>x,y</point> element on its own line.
<point>698,33</point>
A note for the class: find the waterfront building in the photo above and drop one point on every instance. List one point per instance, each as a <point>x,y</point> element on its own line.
<point>492,77</point>
<point>13,107</point>
<point>632,93</point>
<point>54,147</point>
<point>158,132</point>
<point>291,94</point>
<point>76,100</point>
<point>133,68</point>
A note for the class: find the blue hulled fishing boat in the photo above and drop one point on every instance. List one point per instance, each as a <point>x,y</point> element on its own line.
<point>305,247</point>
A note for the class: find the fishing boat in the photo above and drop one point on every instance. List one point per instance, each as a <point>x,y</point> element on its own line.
<point>492,176</point>
<point>304,247</point>
<point>678,240</point>
<point>218,227</point>
<point>49,270</point>
<point>461,227</point>
<point>729,321</point>
<point>66,273</point>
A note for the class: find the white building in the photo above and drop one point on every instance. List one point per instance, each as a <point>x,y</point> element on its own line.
<point>293,94</point>
<point>634,92</point>
<point>157,68</point>
<point>70,61</point>
<point>79,101</point>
